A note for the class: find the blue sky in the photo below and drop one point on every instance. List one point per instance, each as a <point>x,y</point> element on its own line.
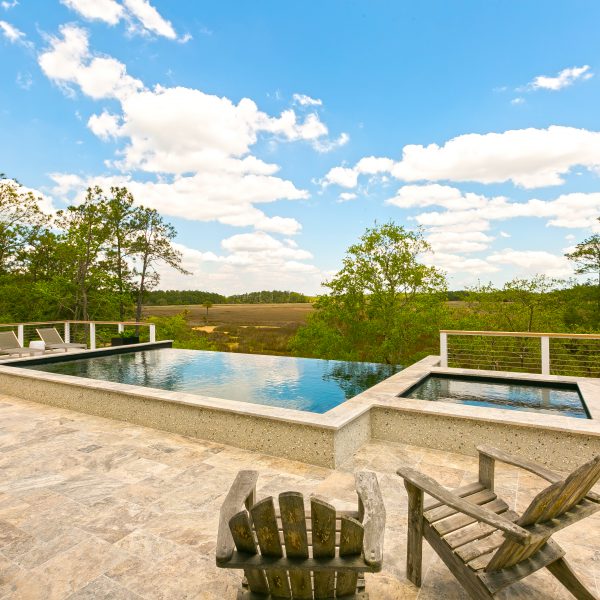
<point>272,134</point>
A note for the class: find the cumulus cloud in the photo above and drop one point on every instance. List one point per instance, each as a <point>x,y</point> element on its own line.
<point>529,158</point>
<point>248,261</point>
<point>68,61</point>
<point>347,196</point>
<point>564,79</point>
<point>201,197</point>
<point>530,262</point>
<point>198,146</point>
<point>141,16</point>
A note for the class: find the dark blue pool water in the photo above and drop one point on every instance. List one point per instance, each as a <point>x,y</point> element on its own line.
<point>561,399</point>
<point>299,383</point>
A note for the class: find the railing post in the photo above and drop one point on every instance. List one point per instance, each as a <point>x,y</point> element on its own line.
<point>20,334</point>
<point>67,332</point>
<point>545,344</point>
<point>92,336</point>
<point>152,332</point>
<point>120,327</point>
<point>443,349</point>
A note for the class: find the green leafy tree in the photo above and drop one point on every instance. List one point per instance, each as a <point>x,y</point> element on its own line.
<point>152,246</point>
<point>384,304</point>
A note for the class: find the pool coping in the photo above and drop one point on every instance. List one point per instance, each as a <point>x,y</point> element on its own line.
<point>337,433</point>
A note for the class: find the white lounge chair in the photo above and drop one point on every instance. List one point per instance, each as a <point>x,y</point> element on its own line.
<point>9,344</point>
<point>53,341</point>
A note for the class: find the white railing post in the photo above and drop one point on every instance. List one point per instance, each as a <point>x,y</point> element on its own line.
<point>120,327</point>
<point>443,349</point>
<point>20,334</point>
<point>92,336</point>
<point>67,332</point>
<point>545,344</point>
<point>152,332</point>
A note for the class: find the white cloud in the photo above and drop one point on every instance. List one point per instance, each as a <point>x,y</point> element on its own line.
<point>454,263</point>
<point>6,5</point>
<point>150,18</point>
<point>324,146</point>
<point>141,16</point>
<point>504,234</point>
<point>304,100</point>
<point>347,196</point>
<point>108,11</point>
<point>12,34</point>
<point>564,79</point>
<point>105,125</point>
<point>342,176</point>
<point>249,261</point>
<point>518,100</point>
<point>202,197</point>
<point>68,60</point>
<point>531,262</point>
<point>458,241</point>
<point>529,158</point>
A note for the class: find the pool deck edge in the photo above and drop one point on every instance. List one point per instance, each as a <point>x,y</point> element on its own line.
<point>331,438</point>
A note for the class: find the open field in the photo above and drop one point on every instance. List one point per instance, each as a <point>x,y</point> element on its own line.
<point>253,328</point>
<point>237,314</point>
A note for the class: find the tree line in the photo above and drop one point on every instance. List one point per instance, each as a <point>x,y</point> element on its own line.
<point>188,297</point>
<point>95,260</point>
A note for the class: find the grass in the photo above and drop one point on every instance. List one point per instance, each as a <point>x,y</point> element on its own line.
<point>250,328</point>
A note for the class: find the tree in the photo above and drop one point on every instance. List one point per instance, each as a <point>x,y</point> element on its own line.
<point>86,233</point>
<point>152,246</point>
<point>207,305</point>
<point>587,258</point>
<point>384,304</point>
<point>20,220</point>
<point>121,223</point>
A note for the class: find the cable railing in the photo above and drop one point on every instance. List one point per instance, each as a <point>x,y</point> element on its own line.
<point>575,354</point>
<point>95,334</point>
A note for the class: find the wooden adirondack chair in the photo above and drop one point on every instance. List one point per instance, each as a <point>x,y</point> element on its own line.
<point>322,554</point>
<point>485,545</point>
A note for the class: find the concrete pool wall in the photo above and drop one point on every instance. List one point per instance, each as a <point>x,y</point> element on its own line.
<point>330,439</point>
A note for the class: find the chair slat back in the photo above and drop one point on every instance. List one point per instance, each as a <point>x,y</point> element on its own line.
<point>50,335</point>
<point>257,533</point>
<point>550,503</point>
<point>243,537</point>
<point>323,534</point>
<point>8,340</point>
<point>267,534</point>
<point>351,543</point>
<point>295,537</point>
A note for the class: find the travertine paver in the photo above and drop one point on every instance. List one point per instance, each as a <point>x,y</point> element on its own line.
<point>92,508</point>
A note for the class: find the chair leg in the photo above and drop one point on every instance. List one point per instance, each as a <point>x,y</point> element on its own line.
<point>414,550</point>
<point>563,571</point>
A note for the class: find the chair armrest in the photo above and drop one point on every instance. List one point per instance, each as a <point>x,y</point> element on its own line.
<point>372,513</point>
<point>523,463</point>
<point>433,488</point>
<point>243,486</point>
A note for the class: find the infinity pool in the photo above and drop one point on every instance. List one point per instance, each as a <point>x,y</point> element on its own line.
<point>299,383</point>
<point>549,398</point>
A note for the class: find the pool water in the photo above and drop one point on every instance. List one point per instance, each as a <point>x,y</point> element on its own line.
<point>299,383</point>
<point>551,398</point>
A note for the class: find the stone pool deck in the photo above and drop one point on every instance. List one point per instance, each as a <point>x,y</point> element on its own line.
<point>92,508</point>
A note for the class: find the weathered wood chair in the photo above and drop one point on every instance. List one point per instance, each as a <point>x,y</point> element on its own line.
<point>296,554</point>
<point>485,545</point>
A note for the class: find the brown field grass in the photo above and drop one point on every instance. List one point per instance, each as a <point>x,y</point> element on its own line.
<point>251,328</point>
